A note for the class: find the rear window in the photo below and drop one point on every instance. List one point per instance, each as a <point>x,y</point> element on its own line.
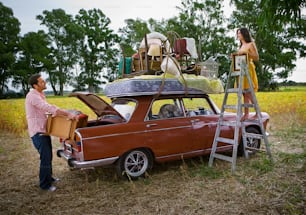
<point>125,107</point>
<point>197,106</point>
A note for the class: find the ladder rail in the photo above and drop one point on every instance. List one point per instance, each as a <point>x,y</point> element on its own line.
<point>258,112</point>
<point>217,133</point>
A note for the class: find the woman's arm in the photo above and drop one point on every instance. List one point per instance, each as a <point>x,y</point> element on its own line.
<point>253,53</point>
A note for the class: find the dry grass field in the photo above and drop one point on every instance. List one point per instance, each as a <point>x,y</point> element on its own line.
<point>183,187</point>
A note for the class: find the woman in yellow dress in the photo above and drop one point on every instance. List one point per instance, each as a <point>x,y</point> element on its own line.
<point>248,46</point>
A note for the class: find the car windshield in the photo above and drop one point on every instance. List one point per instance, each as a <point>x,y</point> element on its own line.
<point>125,107</point>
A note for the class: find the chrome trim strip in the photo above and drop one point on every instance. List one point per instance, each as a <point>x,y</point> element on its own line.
<point>86,164</point>
<point>192,152</point>
<point>136,132</point>
<point>169,128</point>
<point>112,135</point>
<point>143,131</point>
<point>81,142</point>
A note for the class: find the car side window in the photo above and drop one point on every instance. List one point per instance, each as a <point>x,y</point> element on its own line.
<point>124,107</point>
<point>197,106</point>
<point>165,109</point>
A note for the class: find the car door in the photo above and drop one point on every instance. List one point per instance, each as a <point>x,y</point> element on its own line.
<point>168,130</point>
<point>203,120</point>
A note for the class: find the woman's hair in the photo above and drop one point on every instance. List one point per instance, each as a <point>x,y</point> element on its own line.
<point>246,35</point>
<point>34,79</point>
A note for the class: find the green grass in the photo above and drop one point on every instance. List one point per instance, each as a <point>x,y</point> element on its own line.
<point>187,186</point>
<point>296,159</point>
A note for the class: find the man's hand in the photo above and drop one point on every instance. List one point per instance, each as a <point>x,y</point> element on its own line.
<point>61,112</point>
<point>73,116</point>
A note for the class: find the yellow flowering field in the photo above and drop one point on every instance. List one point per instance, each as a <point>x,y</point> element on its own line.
<point>12,112</point>
<point>274,102</point>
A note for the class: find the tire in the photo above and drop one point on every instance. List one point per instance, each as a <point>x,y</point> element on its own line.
<point>58,152</point>
<point>134,164</point>
<point>251,142</point>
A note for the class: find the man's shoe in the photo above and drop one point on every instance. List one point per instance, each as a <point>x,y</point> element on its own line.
<point>55,180</point>
<point>51,189</point>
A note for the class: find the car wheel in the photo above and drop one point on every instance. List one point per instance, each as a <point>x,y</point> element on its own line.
<point>134,164</point>
<point>251,142</point>
<point>58,152</point>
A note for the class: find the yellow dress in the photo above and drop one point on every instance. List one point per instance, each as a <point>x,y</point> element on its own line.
<point>253,76</point>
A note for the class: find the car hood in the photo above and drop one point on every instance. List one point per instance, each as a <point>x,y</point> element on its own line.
<point>96,104</point>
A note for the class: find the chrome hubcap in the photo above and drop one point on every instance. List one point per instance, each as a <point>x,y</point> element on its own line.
<point>136,163</point>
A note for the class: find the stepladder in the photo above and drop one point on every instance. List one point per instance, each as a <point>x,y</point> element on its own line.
<point>247,133</point>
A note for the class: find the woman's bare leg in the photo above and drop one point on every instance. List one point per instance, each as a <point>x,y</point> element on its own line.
<point>246,109</point>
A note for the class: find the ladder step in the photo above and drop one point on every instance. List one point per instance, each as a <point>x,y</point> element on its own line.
<point>255,149</point>
<point>248,105</point>
<point>228,123</point>
<point>233,74</point>
<point>233,107</point>
<point>223,157</point>
<point>255,121</point>
<point>233,90</point>
<point>226,140</point>
<point>247,91</point>
<point>252,135</point>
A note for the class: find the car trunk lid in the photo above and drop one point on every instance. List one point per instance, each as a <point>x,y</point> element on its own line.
<point>96,104</point>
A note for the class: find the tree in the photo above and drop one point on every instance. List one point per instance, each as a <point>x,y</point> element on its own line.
<point>132,34</point>
<point>9,37</point>
<point>63,35</point>
<point>204,21</point>
<point>278,36</point>
<point>98,55</point>
<point>274,10</point>
<point>32,58</point>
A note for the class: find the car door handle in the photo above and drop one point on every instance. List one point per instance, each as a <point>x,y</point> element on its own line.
<point>151,125</point>
<point>195,120</point>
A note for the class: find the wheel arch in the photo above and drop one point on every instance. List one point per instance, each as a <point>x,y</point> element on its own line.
<point>254,126</point>
<point>146,149</point>
<point>119,162</point>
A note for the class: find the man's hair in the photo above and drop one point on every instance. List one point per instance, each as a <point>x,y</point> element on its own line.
<point>34,79</point>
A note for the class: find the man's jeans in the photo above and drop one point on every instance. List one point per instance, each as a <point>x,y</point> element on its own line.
<point>43,145</point>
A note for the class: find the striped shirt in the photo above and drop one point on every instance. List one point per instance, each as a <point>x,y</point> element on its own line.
<point>36,109</point>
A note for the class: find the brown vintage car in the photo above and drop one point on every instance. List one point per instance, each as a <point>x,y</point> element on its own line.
<point>144,126</point>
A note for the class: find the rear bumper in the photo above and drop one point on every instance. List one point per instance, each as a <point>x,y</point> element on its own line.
<point>85,164</point>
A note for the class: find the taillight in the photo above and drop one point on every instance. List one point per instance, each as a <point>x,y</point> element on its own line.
<point>78,142</point>
<point>62,142</point>
<point>79,146</point>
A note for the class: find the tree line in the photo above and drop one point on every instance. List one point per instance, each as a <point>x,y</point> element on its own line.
<point>83,52</point>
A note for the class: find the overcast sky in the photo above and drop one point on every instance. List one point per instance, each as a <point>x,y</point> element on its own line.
<point>117,10</point>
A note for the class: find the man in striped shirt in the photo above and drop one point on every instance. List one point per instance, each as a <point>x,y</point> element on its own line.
<point>36,108</point>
